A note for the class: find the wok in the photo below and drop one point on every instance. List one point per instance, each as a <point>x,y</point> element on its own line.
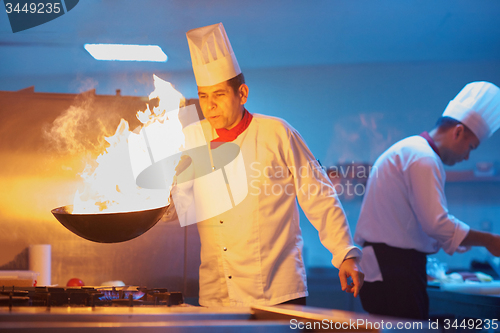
<point>109,227</point>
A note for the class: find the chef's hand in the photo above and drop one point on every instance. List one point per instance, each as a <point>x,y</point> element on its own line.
<point>171,213</point>
<point>183,164</point>
<point>350,268</point>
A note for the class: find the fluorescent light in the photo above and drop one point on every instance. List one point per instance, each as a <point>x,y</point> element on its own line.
<point>124,52</point>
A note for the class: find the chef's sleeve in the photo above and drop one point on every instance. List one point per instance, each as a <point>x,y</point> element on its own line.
<point>181,192</point>
<point>428,202</point>
<point>318,199</point>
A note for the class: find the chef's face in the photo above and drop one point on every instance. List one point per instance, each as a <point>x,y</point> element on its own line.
<point>221,105</point>
<point>462,142</point>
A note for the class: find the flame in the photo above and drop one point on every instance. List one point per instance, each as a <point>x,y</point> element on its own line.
<point>109,184</point>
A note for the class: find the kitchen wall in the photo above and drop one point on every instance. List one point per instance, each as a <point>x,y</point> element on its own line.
<point>46,140</point>
<point>345,113</point>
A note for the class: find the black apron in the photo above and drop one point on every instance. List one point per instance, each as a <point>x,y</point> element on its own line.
<point>403,292</point>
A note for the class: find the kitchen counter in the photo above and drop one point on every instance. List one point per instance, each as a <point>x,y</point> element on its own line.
<point>460,305</point>
<point>150,319</point>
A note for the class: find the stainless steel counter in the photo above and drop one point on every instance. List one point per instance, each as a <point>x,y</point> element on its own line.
<point>136,319</point>
<point>460,305</point>
<point>150,319</point>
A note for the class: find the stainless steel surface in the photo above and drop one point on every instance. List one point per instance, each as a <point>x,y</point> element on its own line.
<point>120,314</point>
<point>108,227</point>
<point>135,319</point>
<point>187,318</point>
<point>206,326</point>
<point>331,320</point>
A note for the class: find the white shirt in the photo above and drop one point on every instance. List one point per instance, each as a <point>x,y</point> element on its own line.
<point>405,206</point>
<point>252,254</point>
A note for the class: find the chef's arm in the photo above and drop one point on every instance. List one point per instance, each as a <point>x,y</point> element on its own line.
<point>480,238</point>
<point>318,199</point>
<point>426,195</point>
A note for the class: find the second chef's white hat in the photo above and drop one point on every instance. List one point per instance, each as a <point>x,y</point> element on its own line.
<point>212,55</point>
<point>477,106</point>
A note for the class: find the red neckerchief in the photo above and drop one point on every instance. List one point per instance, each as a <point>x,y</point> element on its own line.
<point>431,142</point>
<point>230,135</point>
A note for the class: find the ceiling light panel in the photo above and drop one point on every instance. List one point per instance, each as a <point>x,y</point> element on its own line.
<point>126,52</point>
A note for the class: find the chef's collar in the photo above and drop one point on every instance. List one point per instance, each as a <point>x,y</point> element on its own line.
<point>431,142</point>
<point>230,135</point>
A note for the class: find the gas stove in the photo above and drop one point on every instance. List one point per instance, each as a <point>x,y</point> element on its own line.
<point>88,296</point>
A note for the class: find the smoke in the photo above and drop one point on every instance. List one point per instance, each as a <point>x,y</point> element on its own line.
<point>360,138</point>
<point>82,127</point>
<point>67,132</point>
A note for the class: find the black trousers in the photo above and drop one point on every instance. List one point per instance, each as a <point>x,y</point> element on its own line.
<point>403,292</point>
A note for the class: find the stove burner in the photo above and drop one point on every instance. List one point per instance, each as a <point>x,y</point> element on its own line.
<point>163,297</point>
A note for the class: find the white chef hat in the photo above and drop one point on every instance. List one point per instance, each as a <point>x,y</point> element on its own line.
<point>477,106</point>
<point>212,55</point>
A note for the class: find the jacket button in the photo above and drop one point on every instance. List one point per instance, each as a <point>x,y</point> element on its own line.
<point>225,249</point>
<point>221,221</point>
<point>229,277</point>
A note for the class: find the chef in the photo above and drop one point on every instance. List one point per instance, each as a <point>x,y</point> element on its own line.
<point>404,215</point>
<point>252,253</point>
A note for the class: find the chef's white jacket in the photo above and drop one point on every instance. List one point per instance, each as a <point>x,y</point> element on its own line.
<point>252,253</point>
<point>405,206</point>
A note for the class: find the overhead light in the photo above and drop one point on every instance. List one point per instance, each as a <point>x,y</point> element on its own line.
<point>125,52</point>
